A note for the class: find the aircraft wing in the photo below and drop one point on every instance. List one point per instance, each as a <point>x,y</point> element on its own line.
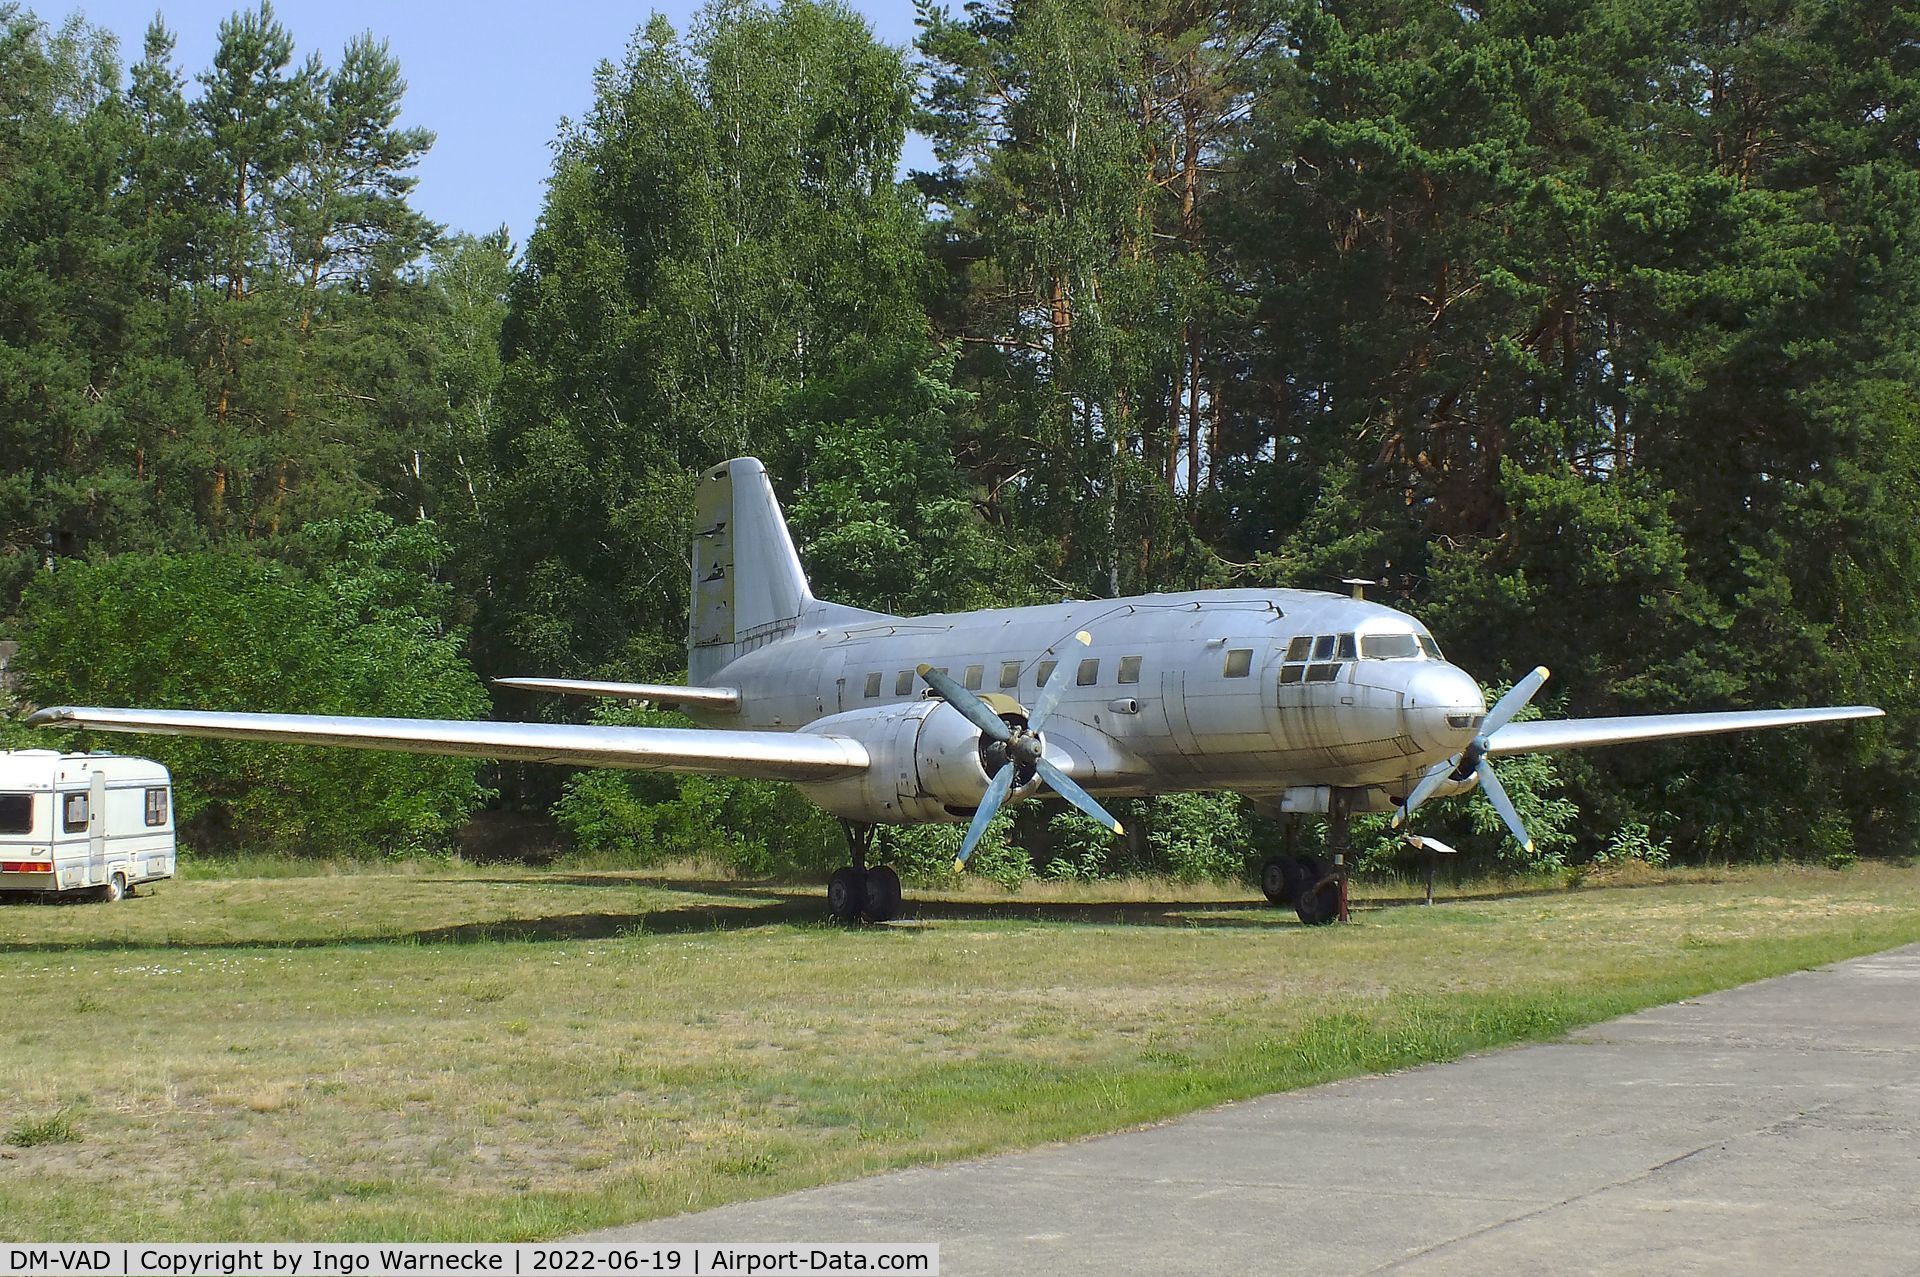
<point>797,756</point>
<point>1580,733</point>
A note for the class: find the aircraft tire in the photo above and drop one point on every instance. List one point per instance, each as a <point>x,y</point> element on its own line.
<point>882,894</point>
<point>846,894</point>
<point>1280,878</point>
<point>1317,899</point>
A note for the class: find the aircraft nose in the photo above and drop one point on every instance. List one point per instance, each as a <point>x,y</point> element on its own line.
<point>1443,708</point>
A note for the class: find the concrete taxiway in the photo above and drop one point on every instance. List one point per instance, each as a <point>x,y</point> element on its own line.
<point>1770,1128</point>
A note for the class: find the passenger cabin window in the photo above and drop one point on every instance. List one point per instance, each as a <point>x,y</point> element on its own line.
<point>1346,652</point>
<point>972,680</point>
<point>1044,673</point>
<point>1389,647</point>
<point>1239,662</point>
<point>156,807</point>
<point>73,818</point>
<point>1089,672</point>
<point>1129,669</point>
<point>1300,647</point>
<point>1323,647</point>
<point>1009,673</point>
<point>903,683</point>
<point>16,813</point>
<point>873,684</point>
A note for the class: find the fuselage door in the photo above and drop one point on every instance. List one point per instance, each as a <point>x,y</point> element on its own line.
<point>1173,703</point>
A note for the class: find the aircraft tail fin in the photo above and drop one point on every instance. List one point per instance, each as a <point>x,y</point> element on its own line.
<point>748,587</point>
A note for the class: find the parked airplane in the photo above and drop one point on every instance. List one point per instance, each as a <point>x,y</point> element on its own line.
<point>1309,703</point>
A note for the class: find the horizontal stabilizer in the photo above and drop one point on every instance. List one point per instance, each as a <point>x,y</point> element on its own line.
<point>796,756</point>
<point>664,693</point>
<point>1578,733</point>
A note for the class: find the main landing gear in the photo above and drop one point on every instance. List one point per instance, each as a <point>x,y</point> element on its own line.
<point>1316,888</point>
<point>856,893</point>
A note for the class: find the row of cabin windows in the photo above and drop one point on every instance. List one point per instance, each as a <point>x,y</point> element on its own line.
<point>1239,664</point>
<point>1326,651</point>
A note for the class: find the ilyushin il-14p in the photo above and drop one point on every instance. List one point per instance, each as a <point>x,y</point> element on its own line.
<point>1309,703</point>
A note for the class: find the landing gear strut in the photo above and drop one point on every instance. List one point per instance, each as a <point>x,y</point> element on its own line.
<point>856,893</point>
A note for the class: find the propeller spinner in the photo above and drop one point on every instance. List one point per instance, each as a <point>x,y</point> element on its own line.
<point>1025,752</point>
<point>1472,761</point>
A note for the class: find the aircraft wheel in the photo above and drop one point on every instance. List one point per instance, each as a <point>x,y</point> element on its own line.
<point>883,894</point>
<point>1280,879</point>
<point>1317,895</point>
<point>846,894</point>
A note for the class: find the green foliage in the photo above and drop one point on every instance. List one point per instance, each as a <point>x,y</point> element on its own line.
<point>924,854</point>
<point>221,630</point>
<point>1196,837</point>
<point>725,265</point>
<point>1634,841</point>
<point>646,818</point>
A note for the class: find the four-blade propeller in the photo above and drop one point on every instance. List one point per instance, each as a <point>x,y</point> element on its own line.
<point>1472,761</point>
<point>1022,746</point>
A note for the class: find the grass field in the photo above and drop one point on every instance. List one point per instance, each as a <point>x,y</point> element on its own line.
<point>467,1053</point>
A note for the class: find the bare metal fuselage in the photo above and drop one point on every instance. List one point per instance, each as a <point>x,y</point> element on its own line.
<point>1188,719</point>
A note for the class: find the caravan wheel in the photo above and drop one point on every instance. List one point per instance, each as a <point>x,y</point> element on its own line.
<point>115,889</point>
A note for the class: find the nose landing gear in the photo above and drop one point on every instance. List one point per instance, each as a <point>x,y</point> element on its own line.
<point>1316,888</point>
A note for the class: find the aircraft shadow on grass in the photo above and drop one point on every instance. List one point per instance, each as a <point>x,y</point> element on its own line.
<point>763,906</point>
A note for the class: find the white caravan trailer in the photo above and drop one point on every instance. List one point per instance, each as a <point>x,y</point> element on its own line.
<point>83,822</point>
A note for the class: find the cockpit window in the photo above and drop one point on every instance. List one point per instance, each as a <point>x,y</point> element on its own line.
<point>1300,647</point>
<point>1431,648</point>
<point>1389,647</point>
<point>1323,648</point>
<point>1346,652</point>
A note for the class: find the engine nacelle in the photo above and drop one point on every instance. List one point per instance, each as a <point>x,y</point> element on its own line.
<point>927,766</point>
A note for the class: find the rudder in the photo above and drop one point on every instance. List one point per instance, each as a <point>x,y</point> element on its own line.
<point>748,587</point>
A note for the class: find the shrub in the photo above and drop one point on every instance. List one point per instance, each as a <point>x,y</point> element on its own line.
<point>365,634</point>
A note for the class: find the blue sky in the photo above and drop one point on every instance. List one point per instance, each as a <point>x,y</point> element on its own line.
<point>491,79</point>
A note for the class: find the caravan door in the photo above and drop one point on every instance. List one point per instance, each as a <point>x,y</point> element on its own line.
<point>97,829</point>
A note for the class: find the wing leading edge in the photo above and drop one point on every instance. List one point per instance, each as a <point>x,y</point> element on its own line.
<point>796,756</point>
<point>1578,733</point>
<point>664,693</point>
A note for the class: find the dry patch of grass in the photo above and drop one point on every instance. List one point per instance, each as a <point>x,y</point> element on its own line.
<point>472,1053</point>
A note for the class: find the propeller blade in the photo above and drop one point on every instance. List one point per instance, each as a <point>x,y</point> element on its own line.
<point>996,794</point>
<point>977,711</point>
<point>1064,786</point>
<point>1422,791</point>
<point>1057,684</point>
<point>1513,702</point>
<point>1497,795</point>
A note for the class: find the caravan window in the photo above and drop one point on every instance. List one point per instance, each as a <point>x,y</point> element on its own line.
<point>156,807</point>
<point>74,813</point>
<point>16,813</point>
